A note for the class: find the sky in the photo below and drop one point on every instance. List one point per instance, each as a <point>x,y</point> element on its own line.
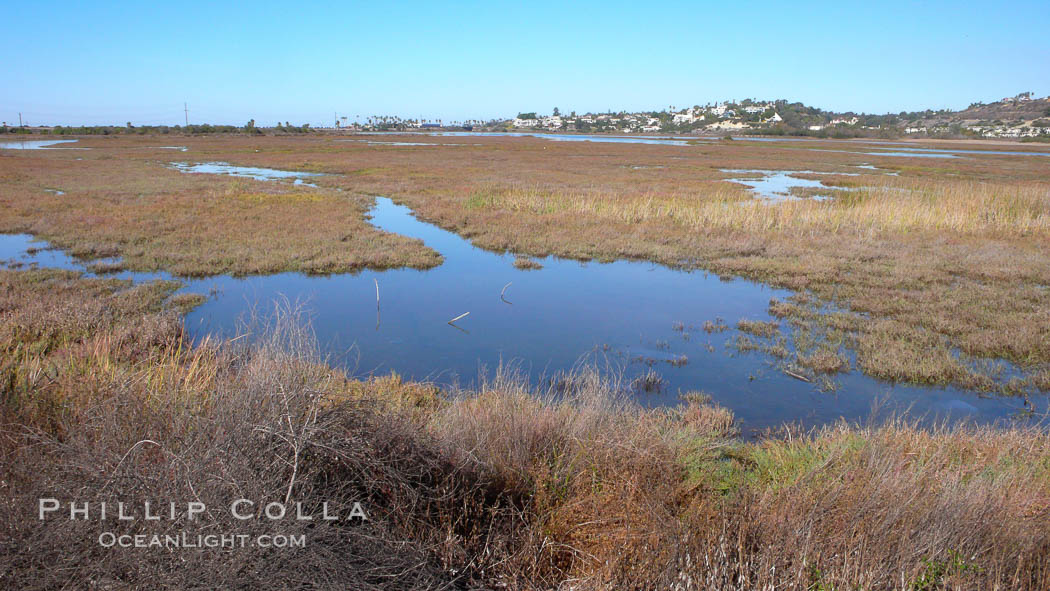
<point>304,62</point>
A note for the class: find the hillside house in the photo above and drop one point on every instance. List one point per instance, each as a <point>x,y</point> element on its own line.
<point>686,117</point>
<point>552,122</point>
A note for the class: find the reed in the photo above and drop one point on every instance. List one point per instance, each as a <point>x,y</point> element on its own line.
<point>891,206</point>
<point>508,484</point>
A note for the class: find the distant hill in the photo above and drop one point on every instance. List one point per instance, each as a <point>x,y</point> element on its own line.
<point>1009,109</point>
<point>1021,116</point>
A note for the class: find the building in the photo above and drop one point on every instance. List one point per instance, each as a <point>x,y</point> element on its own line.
<point>845,121</point>
<point>552,122</point>
<point>752,109</point>
<point>685,117</point>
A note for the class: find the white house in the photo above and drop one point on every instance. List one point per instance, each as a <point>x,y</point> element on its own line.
<point>526,122</point>
<point>758,108</point>
<point>553,122</point>
<point>686,117</point>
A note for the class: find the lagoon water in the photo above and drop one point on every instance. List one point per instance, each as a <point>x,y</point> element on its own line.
<point>902,149</point>
<point>35,144</point>
<point>250,172</point>
<point>774,186</point>
<point>625,316</point>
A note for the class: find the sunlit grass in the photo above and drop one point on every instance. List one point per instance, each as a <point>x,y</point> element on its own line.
<point>565,483</point>
<point>889,207</point>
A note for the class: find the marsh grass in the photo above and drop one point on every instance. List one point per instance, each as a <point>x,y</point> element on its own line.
<point>940,261</point>
<point>503,485</point>
<point>526,264</point>
<point>156,219</point>
<point>892,206</point>
<point>758,328</point>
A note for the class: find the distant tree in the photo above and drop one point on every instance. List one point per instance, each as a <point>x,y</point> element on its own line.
<point>557,113</point>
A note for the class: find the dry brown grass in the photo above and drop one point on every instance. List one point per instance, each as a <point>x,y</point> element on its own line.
<point>953,250</point>
<point>757,327</point>
<point>527,264</point>
<point>154,218</point>
<point>65,340</point>
<point>892,206</point>
<point>846,507</point>
<point>824,360</point>
<point>507,485</point>
<point>503,486</point>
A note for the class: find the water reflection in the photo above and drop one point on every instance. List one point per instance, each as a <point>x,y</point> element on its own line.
<point>37,145</point>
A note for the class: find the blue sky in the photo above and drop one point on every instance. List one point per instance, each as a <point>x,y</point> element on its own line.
<point>95,62</point>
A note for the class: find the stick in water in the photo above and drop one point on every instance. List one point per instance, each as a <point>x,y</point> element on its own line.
<point>504,292</point>
<point>458,317</point>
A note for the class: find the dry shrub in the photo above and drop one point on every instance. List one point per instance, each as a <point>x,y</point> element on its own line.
<point>570,486</point>
<point>598,473</point>
<point>270,427</point>
<point>882,508</point>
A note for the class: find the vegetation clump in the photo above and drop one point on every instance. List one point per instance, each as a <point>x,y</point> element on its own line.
<point>527,264</point>
<point>758,328</point>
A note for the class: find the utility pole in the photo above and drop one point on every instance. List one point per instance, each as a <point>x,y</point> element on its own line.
<point>186,110</point>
